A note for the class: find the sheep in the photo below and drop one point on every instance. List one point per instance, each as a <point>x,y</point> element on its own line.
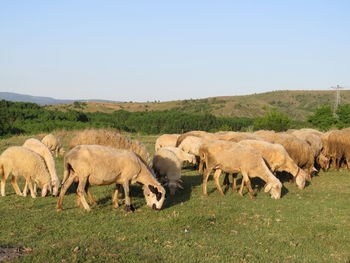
<point>20,161</point>
<point>299,150</point>
<point>201,134</point>
<point>112,139</point>
<point>167,163</point>
<point>336,147</point>
<point>166,140</point>
<point>41,149</point>
<point>232,157</point>
<point>102,165</point>
<point>54,144</point>
<point>278,159</point>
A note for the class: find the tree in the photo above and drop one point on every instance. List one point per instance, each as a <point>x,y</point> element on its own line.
<point>323,118</point>
<point>273,120</point>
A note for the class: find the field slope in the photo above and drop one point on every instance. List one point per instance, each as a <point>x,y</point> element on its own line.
<point>304,226</point>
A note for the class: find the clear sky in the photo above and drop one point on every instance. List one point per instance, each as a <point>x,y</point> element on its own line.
<point>165,50</point>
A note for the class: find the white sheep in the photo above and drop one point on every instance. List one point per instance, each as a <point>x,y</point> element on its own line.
<point>103,165</point>
<point>231,157</point>
<point>54,144</point>
<point>167,163</point>
<point>166,140</point>
<point>20,161</point>
<point>41,149</point>
<point>278,159</point>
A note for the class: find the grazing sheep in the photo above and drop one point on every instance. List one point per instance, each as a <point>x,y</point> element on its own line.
<point>112,139</point>
<point>231,157</point>
<point>299,150</point>
<point>191,145</point>
<point>54,144</point>
<point>166,140</point>
<point>41,149</point>
<point>337,147</point>
<point>20,161</point>
<point>101,165</point>
<point>167,163</point>
<point>278,159</point>
<point>200,134</point>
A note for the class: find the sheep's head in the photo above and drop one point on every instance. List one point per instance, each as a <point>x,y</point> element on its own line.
<point>154,195</point>
<point>274,188</point>
<point>300,179</point>
<point>173,186</point>
<point>55,187</point>
<point>324,162</point>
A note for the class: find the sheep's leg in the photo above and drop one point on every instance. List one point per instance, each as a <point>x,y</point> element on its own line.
<point>35,188</point>
<point>15,185</point>
<point>250,189</point>
<point>128,206</point>
<point>234,183</point>
<point>241,188</point>
<point>115,197</point>
<point>3,183</point>
<point>217,183</point>
<point>80,193</point>
<point>31,189</point>
<point>89,195</point>
<point>205,180</point>
<point>64,189</point>
<point>25,189</point>
<point>200,166</point>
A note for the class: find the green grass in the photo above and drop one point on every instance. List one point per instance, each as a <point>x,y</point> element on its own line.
<point>303,226</point>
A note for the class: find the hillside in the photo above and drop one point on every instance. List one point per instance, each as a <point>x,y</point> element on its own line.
<point>11,96</point>
<point>297,104</point>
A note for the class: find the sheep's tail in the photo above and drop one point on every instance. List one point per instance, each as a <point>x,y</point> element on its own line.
<point>67,168</point>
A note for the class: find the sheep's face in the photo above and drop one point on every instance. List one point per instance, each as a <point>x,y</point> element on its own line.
<point>275,189</point>
<point>55,187</point>
<point>300,179</point>
<point>154,195</point>
<point>324,162</point>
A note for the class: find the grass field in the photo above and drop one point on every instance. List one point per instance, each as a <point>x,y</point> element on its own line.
<point>312,225</point>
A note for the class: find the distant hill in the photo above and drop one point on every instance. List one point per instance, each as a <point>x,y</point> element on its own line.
<point>298,104</point>
<point>41,100</point>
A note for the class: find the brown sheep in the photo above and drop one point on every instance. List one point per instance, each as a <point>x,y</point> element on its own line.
<point>201,134</point>
<point>101,165</point>
<point>54,144</point>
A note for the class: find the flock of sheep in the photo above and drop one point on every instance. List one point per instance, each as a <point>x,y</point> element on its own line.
<point>103,157</point>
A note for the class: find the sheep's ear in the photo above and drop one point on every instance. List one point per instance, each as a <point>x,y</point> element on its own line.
<point>268,188</point>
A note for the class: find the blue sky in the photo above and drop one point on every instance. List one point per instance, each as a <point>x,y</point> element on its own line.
<point>167,50</point>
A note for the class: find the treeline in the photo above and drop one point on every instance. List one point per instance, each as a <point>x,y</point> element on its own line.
<point>30,118</point>
<point>20,117</point>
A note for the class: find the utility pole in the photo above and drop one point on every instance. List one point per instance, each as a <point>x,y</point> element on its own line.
<point>337,98</point>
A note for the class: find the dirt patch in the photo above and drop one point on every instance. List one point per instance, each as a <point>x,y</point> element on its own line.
<point>8,253</point>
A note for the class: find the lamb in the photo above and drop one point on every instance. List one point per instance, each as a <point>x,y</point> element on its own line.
<point>112,139</point>
<point>41,149</point>
<point>233,158</point>
<point>54,144</point>
<point>278,159</point>
<point>166,140</point>
<point>102,165</point>
<point>20,161</point>
<point>167,163</point>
